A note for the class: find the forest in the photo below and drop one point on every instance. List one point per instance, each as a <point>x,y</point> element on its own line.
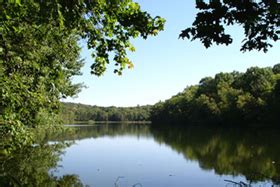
<point>71,112</point>
<point>227,98</point>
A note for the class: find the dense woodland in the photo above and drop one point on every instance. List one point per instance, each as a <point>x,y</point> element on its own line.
<point>71,112</point>
<point>226,98</point>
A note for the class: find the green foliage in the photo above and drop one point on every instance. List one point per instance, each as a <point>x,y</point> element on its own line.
<point>14,135</point>
<point>276,69</point>
<point>260,21</point>
<point>40,52</point>
<point>250,97</point>
<point>258,81</point>
<point>71,112</point>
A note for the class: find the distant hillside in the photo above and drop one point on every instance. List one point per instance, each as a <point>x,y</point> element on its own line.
<point>71,112</point>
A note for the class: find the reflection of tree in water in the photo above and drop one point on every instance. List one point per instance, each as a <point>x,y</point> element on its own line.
<point>253,153</point>
<point>111,130</point>
<point>30,167</point>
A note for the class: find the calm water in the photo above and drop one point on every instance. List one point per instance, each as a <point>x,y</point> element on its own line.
<point>137,155</point>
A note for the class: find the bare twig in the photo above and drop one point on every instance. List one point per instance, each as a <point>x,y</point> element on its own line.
<point>134,185</point>
<point>117,180</point>
<point>241,184</point>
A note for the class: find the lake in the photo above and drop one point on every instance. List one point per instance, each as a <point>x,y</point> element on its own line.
<point>127,155</point>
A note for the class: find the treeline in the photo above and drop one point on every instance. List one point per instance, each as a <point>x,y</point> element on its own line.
<point>227,98</point>
<point>72,112</point>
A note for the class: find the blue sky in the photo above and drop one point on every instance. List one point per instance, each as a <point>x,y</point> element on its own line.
<point>164,65</point>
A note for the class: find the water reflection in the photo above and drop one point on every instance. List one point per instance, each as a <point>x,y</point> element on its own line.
<point>30,167</point>
<point>34,166</point>
<point>100,130</point>
<point>253,153</point>
<point>147,154</point>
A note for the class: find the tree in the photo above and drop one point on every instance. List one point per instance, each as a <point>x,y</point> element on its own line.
<point>258,81</point>
<point>260,21</point>
<point>40,53</point>
<point>226,99</point>
<point>276,69</point>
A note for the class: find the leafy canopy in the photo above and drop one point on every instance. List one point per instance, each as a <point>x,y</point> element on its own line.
<point>40,52</point>
<point>106,25</point>
<point>260,21</point>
